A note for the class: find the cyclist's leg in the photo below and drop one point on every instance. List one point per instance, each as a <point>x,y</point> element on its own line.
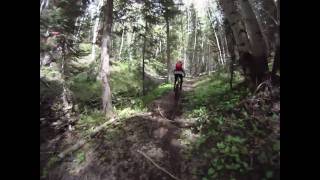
<point>181,80</point>
<point>175,81</point>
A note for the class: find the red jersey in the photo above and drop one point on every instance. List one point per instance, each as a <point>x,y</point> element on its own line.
<point>179,67</point>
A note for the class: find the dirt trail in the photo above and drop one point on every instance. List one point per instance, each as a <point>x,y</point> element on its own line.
<point>113,153</point>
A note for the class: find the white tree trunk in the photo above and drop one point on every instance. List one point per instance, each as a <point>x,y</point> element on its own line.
<point>160,46</point>
<point>95,30</point>
<point>157,49</point>
<point>217,39</point>
<point>192,64</point>
<point>44,5</point>
<point>122,37</point>
<point>223,49</point>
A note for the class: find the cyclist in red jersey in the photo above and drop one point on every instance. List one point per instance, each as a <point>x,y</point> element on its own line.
<point>179,73</point>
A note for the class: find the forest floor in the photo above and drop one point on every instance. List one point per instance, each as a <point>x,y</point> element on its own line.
<point>212,132</point>
<point>115,153</point>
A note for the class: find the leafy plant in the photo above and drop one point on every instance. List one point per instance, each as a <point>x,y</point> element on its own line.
<point>80,157</point>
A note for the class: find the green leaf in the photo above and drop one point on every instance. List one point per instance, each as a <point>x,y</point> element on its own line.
<point>276,146</point>
<point>221,145</point>
<point>204,178</point>
<point>237,166</point>
<point>244,150</point>
<point>234,149</point>
<point>211,171</point>
<point>269,174</point>
<point>229,166</point>
<point>213,150</point>
<point>214,162</point>
<point>227,149</point>
<point>245,164</point>
<point>262,157</point>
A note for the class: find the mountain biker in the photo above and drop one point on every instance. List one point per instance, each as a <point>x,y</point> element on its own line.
<point>179,73</point>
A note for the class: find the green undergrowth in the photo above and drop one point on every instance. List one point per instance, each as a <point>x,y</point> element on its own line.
<point>90,118</point>
<point>125,83</point>
<point>156,93</point>
<point>235,143</point>
<point>125,80</point>
<point>156,68</point>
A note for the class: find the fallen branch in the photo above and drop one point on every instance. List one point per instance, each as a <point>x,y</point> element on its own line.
<point>162,169</point>
<point>160,112</point>
<point>94,133</point>
<point>82,142</point>
<point>72,148</point>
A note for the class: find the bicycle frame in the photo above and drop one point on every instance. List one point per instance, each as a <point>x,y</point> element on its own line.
<point>177,87</point>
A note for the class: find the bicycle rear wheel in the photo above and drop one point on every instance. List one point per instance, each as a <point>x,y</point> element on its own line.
<point>177,88</point>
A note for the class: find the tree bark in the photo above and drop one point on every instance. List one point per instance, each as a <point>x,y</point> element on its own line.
<point>254,68</point>
<point>105,59</point>
<point>276,62</point>
<point>168,51</point>
<point>143,56</point>
<point>258,44</point>
<point>237,27</point>
<point>230,42</point>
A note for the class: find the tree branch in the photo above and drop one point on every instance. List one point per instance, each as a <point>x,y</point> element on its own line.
<point>162,169</point>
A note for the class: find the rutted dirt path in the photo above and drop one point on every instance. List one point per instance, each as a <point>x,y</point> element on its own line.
<point>113,154</point>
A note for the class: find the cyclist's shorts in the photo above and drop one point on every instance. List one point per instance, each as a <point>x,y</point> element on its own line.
<point>178,72</point>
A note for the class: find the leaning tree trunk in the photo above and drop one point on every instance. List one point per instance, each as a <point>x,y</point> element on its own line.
<point>105,59</point>
<point>238,30</point>
<point>258,45</point>
<point>246,61</point>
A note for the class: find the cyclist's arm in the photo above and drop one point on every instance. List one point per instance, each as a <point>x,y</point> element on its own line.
<point>184,74</point>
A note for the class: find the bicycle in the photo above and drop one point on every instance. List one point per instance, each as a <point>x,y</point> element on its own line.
<point>177,88</point>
